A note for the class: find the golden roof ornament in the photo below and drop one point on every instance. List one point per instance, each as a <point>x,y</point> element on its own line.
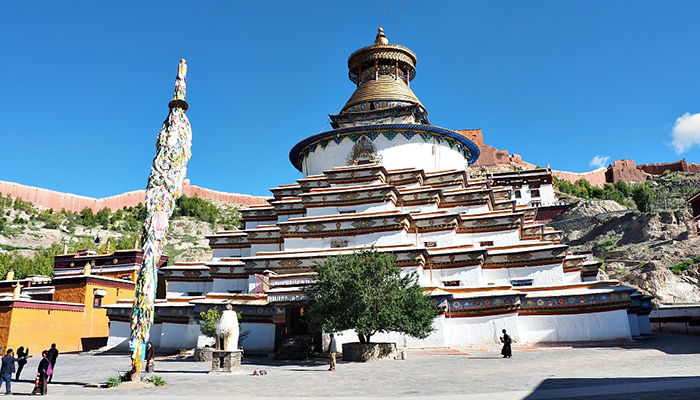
<point>381,38</point>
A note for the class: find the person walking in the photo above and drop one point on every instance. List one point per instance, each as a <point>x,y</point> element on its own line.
<point>332,349</point>
<point>150,356</point>
<point>22,356</point>
<point>7,369</point>
<point>506,351</point>
<point>52,355</point>
<point>42,374</point>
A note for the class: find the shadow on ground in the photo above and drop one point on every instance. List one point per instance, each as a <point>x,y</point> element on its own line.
<point>669,343</point>
<point>618,388</point>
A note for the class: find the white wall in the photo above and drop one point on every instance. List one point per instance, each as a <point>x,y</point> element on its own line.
<point>467,331</point>
<point>572,277</point>
<point>224,285</point>
<point>436,339</point>
<point>360,208</point>
<point>608,325</point>
<point>179,288</point>
<point>378,239</point>
<point>179,336</point>
<point>218,254</point>
<point>542,276</point>
<point>446,238</point>
<point>634,324</point>
<point>261,338</point>
<point>398,153</point>
<point>644,326</point>
<point>119,333</point>
<point>257,248</point>
<point>468,276</point>
<point>499,238</point>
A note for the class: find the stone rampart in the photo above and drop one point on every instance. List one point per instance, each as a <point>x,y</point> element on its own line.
<point>677,166</point>
<point>595,177</point>
<point>73,202</point>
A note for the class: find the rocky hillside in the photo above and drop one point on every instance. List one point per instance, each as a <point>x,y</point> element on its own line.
<point>653,251</point>
<point>30,235</point>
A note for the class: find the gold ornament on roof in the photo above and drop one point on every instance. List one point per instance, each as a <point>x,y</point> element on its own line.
<point>381,38</point>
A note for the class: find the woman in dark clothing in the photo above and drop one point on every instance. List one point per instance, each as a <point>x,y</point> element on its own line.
<point>150,355</point>
<point>506,351</point>
<point>42,374</point>
<point>22,356</point>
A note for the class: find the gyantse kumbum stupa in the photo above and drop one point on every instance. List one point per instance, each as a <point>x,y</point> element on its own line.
<point>385,177</point>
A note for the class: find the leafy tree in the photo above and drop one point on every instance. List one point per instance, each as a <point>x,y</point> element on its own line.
<point>366,291</point>
<point>102,217</point>
<point>209,320</point>
<point>643,196</point>
<point>624,188</point>
<point>88,218</point>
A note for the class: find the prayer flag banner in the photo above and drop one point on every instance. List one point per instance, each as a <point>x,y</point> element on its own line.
<point>173,150</point>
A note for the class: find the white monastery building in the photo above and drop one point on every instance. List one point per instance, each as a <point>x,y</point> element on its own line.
<point>385,177</point>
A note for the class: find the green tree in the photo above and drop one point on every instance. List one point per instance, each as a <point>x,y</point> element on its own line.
<point>623,187</point>
<point>88,218</point>
<point>209,320</point>
<point>366,291</point>
<point>102,217</point>
<point>643,197</point>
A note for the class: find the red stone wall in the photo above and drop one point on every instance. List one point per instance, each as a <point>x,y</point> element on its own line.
<point>490,156</point>
<point>678,166</point>
<point>595,177</point>
<point>624,170</point>
<point>73,202</point>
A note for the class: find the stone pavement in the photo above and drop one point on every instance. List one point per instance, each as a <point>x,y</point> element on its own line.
<point>662,366</point>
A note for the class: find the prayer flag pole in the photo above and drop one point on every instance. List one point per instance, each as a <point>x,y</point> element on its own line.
<point>173,150</point>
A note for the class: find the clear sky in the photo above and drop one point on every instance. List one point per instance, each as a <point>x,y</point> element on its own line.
<point>84,86</point>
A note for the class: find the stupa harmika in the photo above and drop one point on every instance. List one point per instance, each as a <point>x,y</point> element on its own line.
<point>385,177</point>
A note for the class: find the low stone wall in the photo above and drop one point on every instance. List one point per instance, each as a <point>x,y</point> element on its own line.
<point>203,354</point>
<point>369,352</point>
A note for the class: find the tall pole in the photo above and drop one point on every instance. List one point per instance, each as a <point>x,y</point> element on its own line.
<point>173,150</point>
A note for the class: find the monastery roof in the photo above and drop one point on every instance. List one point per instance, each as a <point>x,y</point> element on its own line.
<point>578,291</point>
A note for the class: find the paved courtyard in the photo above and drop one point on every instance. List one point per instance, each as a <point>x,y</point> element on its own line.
<point>663,366</point>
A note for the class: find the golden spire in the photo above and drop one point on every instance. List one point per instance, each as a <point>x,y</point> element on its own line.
<point>381,38</point>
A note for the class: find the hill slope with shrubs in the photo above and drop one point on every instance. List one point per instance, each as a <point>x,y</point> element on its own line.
<point>30,236</point>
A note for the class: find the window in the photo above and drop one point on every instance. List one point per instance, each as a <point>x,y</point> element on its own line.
<point>486,243</point>
<point>235,291</point>
<point>450,283</point>
<point>521,282</point>
<point>346,211</point>
<point>517,194</point>
<point>535,192</point>
<point>99,294</point>
<point>430,244</point>
<point>194,293</point>
<point>335,244</point>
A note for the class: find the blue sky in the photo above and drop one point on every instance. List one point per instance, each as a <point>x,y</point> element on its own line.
<point>84,86</point>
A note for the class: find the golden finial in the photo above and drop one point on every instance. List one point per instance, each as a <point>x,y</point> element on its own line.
<point>381,38</point>
<point>180,87</point>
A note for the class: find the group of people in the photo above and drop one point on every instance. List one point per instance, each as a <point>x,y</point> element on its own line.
<point>44,371</point>
<point>506,350</point>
